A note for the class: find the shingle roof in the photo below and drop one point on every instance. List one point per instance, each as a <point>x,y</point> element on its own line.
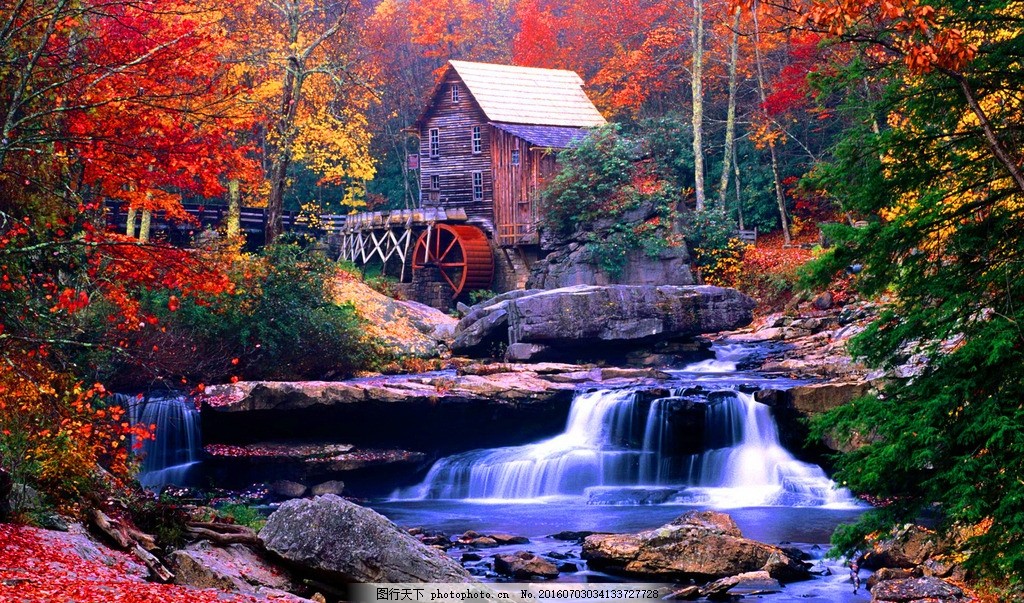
<point>529,95</point>
<point>553,137</point>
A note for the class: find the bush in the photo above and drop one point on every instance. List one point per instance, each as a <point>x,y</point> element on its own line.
<point>278,321</point>
<point>715,254</point>
<point>614,197</point>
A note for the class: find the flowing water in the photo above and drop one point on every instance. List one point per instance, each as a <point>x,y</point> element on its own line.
<point>174,454</point>
<point>621,439</point>
<point>626,462</point>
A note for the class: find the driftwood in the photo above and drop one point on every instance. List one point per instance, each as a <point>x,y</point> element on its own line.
<point>129,538</point>
<point>224,534</point>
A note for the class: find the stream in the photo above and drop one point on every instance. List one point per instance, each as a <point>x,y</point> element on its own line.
<point>628,459</point>
<point>626,463</point>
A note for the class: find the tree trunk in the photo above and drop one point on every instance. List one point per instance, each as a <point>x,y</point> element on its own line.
<point>730,117</point>
<point>780,196</point>
<point>994,144</point>
<point>284,132</point>
<point>147,220</point>
<point>697,88</point>
<point>234,226</point>
<point>739,196</point>
<point>130,228</point>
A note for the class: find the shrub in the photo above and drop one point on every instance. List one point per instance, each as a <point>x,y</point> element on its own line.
<point>613,197</point>
<point>771,275</point>
<point>279,321</point>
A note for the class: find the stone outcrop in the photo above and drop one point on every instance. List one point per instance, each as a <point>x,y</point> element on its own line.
<point>911,563</point>
<point>599,321</point>
<point>408,328</point>
<point>570,259</point>
<point>332,538</point>
<point>316,431</point>
<point>576,264</point>
<point>704,545</point>
<point>233,568</point>
<point>917,590</point>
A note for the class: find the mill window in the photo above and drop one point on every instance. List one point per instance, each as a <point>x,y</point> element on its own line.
<point>435,142</point>
<point>477,140</point>
<point>478,186</point>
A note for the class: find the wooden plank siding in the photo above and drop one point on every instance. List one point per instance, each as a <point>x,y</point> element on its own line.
<point>456,162</point>
<point>517,187</point>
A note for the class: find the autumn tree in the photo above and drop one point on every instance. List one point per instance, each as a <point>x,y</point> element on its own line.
<point>308,88</point>
<point>933,160</point>
<point>99,99</point>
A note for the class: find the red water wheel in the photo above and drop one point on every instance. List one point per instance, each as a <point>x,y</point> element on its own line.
<point>461,253</point>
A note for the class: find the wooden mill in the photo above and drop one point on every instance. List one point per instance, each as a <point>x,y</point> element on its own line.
<point>489,136</point>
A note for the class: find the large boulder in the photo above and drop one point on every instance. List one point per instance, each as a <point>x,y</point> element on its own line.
<point>333,538</point>
<point>596,320</point>
<point>704,545</point>
<point>905,548</point>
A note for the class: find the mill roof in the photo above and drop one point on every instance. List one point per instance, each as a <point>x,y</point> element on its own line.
<point>528,95</point>
<point>552,137</point>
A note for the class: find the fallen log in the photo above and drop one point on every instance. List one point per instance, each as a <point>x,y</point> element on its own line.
<point>224,534</point>
<point>129,538</point>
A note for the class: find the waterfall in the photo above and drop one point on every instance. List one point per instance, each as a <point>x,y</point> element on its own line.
<point>613,438</point>
<point>583,455</point>
<point>176,449</point>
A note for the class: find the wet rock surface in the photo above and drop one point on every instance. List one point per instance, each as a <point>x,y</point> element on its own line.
<point>704,545</point>
<point>377,431</point>
<point>524,566</point>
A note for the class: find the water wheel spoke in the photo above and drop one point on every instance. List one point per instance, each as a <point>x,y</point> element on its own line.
<point>442,256</point>
<point>461,264</point>
<point>450,282</point>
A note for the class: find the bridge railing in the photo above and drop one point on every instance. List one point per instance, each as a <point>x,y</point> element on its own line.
<point>252,219</point>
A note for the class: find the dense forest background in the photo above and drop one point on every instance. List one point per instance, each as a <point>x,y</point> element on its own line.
<point>896,122</point>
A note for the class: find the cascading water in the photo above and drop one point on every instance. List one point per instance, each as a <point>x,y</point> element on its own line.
<point>176,449</point>
<point>616,438</point>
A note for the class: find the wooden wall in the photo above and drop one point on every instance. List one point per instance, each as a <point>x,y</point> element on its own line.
<point>517,187</point>
<point>456,162</point>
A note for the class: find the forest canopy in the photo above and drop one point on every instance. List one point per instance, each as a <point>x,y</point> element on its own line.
<point>904,118</point>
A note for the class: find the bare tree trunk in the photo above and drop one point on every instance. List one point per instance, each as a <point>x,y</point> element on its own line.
<point>730,117</point>
<point>147,220</point>
<point>739,196</point>
<point>130,228</point>
<point>234,210</point>
<point>779,194</point>
<point>994,144</point>
<point>285,134</point>
<point>697,88</point>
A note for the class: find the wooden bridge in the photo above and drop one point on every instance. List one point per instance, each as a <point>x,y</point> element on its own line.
<point>253,220</point>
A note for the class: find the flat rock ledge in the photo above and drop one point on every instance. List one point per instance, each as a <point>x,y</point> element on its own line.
<point>506,384</point>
